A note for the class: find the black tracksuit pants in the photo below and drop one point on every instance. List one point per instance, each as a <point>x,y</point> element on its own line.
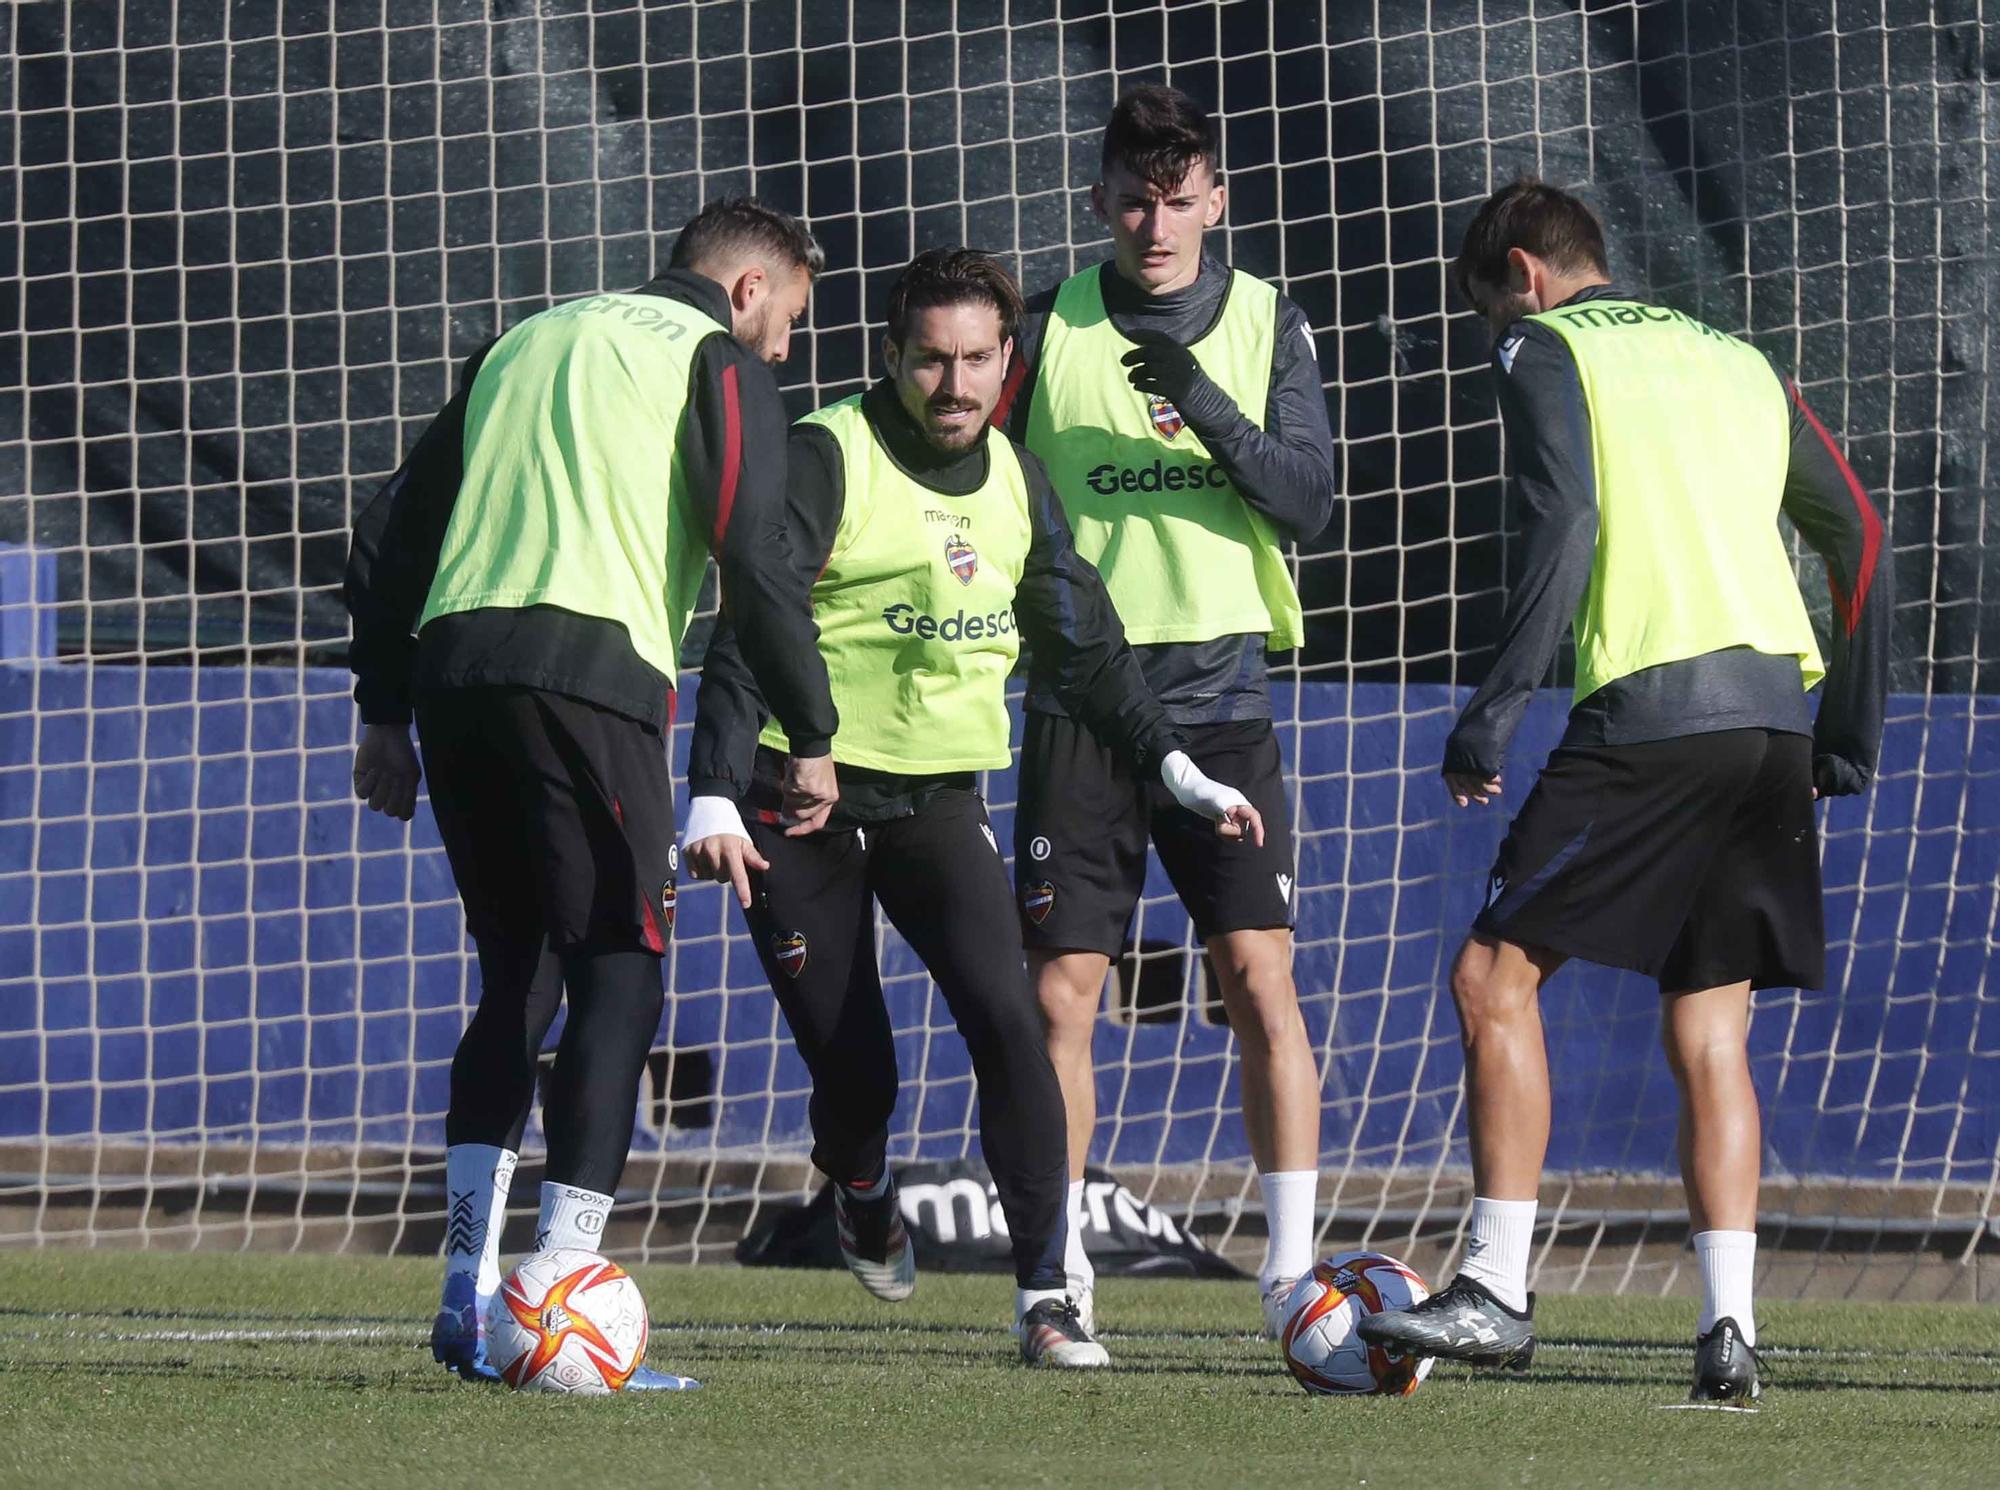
<point>939,877</point>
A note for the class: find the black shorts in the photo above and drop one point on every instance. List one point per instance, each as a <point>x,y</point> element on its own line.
<point>1081,829</point>
<point>557,816</point>
<point>1693,860</point>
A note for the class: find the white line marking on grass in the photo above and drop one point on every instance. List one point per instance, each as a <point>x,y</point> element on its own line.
<point>1701,1407</point>
<point>210,1337</point>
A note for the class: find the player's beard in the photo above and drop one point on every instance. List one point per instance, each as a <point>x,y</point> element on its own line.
<point>755,331</point>
<point>1506,308</point>
<point>957,439</point>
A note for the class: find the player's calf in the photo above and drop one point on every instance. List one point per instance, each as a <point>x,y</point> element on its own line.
<point>1280,1102</point>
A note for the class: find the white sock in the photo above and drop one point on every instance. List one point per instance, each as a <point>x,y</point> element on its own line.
<point>477,1178</point>
<point>1728,1261</point>
<point>1497,1243</point>
<point>571,1218</point>
<point>1076,1261</point>
<point>1291,1205</point>
<point>1026,1299</point>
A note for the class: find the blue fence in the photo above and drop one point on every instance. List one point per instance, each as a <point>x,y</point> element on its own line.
<point>202,938</point>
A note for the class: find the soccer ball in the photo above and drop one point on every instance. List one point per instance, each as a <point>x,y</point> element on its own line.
<point>1321,1347</point>
<point>567,1320</point>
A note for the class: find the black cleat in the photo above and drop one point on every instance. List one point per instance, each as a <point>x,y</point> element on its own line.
<point>1052,1334</point>
<point>1465,1322</point>
<point>1725,1367</point>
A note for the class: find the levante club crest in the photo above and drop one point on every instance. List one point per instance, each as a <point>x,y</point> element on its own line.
<point>1166,418</point>
<point>1038,899</point>
<point>789,950</point>
<point>959,554</point>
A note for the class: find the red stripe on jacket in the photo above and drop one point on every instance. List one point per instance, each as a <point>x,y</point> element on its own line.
<point>1848,608</point>
<point>732,455</point>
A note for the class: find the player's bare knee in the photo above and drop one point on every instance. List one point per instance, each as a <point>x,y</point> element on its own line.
<point>1704,1059</point>
<point>1264,1016</point>
<point>1487,993</point>
<point>1252,960</point>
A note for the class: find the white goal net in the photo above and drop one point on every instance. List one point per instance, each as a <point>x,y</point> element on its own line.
<point>249,242</point>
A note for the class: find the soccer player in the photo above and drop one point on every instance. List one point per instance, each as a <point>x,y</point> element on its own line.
<point>1672,831</point>
<point>523,581</point>
<point>938,546</point>
<point>1177,404</point>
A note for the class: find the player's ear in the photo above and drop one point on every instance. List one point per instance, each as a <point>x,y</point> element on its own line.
<point>1520,270</point>
<point>1097,202</point>
<point>752,284</point>
<point>892,355</point>
<point>1007,353</point>
<point>1218,201</point>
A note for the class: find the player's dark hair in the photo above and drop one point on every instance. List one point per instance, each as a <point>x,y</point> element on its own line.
<point>1158,133</point>
<point>743,227</point>
<point>953,276</point>
<point>1555,226</point>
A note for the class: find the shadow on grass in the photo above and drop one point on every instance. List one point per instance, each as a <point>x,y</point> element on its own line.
<point>995,1351</point>
<point>1773,1382</point>
<point>182,1369</point>
<point>1786,1351</point>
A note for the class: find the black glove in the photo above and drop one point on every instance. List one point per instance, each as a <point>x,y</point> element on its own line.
<point>1164,367</point>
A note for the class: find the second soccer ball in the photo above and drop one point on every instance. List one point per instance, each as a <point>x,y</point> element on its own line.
<point>1322,1349</point>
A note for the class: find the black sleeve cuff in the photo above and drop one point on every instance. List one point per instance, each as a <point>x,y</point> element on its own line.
<point>1462,759</point>
<point>381,703</point>
<point>1157,745</point>
<point>1836,776</point>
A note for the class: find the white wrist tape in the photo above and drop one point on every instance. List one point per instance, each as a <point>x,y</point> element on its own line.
<point>711,817</point>
<point>1196,792</point>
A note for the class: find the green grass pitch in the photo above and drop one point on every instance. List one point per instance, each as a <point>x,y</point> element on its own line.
<point>209,1370</point>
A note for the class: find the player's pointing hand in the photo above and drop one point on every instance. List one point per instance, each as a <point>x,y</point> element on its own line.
<point>718,849</point>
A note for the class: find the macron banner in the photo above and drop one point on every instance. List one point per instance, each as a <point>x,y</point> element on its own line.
<point>953,1215</point>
